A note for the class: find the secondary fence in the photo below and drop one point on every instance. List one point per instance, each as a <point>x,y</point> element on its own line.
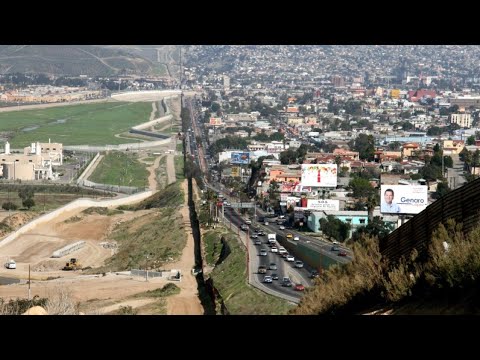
<point>68,249</point>
<point>462,204</point>
<point>168,274</point>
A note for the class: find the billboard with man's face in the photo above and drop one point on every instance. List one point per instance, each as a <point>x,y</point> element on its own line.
<point>403,199</point>
<point>240,158</point>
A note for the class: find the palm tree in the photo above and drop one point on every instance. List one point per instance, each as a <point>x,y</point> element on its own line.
<point>371,203</point>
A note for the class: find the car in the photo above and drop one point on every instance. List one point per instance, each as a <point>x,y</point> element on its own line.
<point>263,252</point>
<point>282,227</point>
<point>262,269</point>
<point>290,258</point>
<point>299,264</point>
<point>296,238</point>
<point>314,274</point>
<point>244,227</point>
<point>342,253</point>
<point>282,250</point>
<point>272,266</point>
<point>281,216</point>
<point>289,236</point>
<point>284,255</point>
<point>266,223</point>
<point>286,282</point>
<point>274,249</point>
<point>299,287</point>
<point>257,242</point>
<point>261,233</point>
<point>254,236</point>
<point>267,279</point>
<point>274,276</point>
<point>334,248</point>
<point>335,242</point>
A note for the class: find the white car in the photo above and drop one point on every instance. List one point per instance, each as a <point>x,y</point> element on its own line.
<point>282,227</point>
<point>274,249</point>
<point>290,258</point>
<point>266,223</point>
<point>296,238</point>
<point>267,279</point>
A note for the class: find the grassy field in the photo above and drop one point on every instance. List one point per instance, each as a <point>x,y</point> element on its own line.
<point>121,168</point>
<point>179,165</point>
<point>160,233</point>
<point>51,200</point>
<point>92,124</point>
<point>229,278</point>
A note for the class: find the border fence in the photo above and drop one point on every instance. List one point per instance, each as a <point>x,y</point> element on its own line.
<point>462,204</point>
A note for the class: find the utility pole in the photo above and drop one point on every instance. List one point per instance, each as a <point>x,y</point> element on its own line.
<point>29,290</point>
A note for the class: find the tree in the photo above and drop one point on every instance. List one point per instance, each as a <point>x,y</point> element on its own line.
<point>288,157</point>
<point>26,192</point>
<point>361,188</point>
<point>365,145</point>
<point>335,228</point>
<point>471,140</point>
<point>375,227</point>
<point>9,206</point>
<point>442,189</point>
<point>28,203</point>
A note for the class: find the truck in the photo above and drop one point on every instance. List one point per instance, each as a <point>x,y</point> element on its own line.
<point>11,264</point>
<point>272,238</point>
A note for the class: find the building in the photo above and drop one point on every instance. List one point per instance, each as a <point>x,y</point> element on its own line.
<point>355,218</point>
<point>34,164</point>
<point>464,120</point>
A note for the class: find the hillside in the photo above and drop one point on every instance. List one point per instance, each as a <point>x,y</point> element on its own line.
<point>76,60</point>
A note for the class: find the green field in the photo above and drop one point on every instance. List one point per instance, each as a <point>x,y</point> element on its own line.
<point>118,168</point>
<point>85,124</point>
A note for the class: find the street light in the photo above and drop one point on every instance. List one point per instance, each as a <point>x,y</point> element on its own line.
<point>146,265</point>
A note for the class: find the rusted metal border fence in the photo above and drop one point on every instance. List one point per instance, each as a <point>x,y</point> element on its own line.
<point>462,204</point>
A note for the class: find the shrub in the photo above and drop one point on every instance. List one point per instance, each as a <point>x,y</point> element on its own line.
<point>9,206</point>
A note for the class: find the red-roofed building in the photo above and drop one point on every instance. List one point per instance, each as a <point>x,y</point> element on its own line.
<point>409,148</point>
<point>416,95</point>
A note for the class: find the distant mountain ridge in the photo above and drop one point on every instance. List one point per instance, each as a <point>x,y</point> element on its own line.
<point>74,60</point>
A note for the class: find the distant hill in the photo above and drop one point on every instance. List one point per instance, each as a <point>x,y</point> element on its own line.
<point>76,60</point>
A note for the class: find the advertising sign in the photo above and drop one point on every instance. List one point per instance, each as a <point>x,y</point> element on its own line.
<point>216,121</point>
<point>299,188</point>
<point>403,199</point>
<point>235,171</point>
<point>288,187</point>
<point>292,201</point>
<point>240,158</point>
<point>319,175</point>
<point>323,205</point>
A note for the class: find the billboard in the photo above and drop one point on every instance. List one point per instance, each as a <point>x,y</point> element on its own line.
<point>323,205</point>
<point>215,121</point>
<point>403,199</point>
<point>235,171</point>
<point>288,187</point>
<point>240,158</point>
<point>292,201</point>
<point>319,175</point>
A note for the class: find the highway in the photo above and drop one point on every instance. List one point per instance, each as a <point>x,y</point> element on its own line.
<point>284,268</point>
